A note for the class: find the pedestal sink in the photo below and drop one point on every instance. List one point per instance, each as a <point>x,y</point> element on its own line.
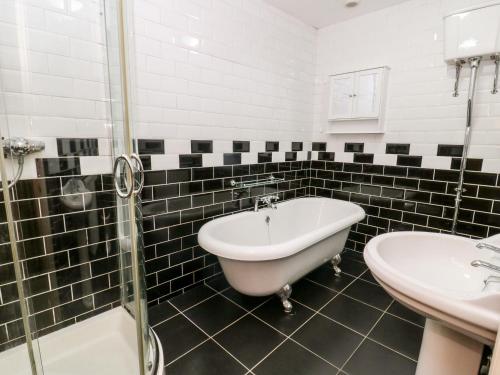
<point>432,274</point>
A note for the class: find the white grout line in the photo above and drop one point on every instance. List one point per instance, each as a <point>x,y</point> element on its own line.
<point>365,337</point>
<point>361,301</point>
<point>289,336</point>
<point>210,337</point>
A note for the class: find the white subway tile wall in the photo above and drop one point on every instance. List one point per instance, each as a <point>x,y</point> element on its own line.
<point>226,70</point>
<point>420,107</point>
<point>52,76</point>
<point>222,70</point>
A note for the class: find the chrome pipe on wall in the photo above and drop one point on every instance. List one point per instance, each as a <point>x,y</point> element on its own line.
<point>474,65</point>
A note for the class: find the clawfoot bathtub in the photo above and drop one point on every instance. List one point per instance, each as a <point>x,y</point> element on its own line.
<point>264,252</point>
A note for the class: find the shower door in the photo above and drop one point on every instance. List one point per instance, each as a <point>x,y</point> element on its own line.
<point>128,171</point>
<point>70,229</point>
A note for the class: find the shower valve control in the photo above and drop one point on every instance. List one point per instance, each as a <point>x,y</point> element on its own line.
<point>17,147</point>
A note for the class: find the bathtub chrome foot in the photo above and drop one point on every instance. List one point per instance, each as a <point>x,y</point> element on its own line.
<point>284,293</point>
<point>335,264</point>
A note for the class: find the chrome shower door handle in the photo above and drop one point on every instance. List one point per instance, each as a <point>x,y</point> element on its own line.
<point>140,169</point>
<point>129,176</point>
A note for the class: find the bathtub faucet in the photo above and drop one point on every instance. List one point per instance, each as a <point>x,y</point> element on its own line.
<point>268,200</point>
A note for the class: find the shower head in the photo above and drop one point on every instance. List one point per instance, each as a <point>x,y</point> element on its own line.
<point>19,147</point>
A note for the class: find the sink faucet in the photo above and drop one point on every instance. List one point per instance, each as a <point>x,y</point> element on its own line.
<point>268,200</point>
<point>484,245</point>
<point>481,263</point>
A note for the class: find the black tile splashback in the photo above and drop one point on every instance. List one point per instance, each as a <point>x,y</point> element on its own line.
<point>450,150</point>
<point>61,239</point>
<point>330,156</point>
<point>77,147</point>
<point>410,198</point>
<point>409,160</point>
<point>69,241</point>
<point>151,146</point>
<point>241,146</point>
<point>201,147</point>
<point>397,148</point>
<point>354,147</point>
<point>189,264</point>
<point>191,160</point>
<point>232,158</point>
<point>290,156</point>
<point>272,146</point>
<point>57,167</point>
<point>265,157</point>
<point>319,146</point>
<point>470,164</point>
<point>363,158</point>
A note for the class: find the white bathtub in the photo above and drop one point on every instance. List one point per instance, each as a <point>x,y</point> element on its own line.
<point>260,258</point>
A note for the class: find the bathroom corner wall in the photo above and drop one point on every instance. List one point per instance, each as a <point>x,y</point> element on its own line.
<point>421,111</point>
<point>52,89</point>
<point>225,90</point>
<point>405,178</point>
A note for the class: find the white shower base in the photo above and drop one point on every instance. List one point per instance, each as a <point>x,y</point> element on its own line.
<point>102,345</point>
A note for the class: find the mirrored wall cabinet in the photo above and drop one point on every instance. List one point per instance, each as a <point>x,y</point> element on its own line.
<point>357,101</point>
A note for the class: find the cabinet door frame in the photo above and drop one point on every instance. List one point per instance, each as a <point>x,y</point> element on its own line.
<point>377,93</point>
<point>353,112</point>
<point>332,115</point>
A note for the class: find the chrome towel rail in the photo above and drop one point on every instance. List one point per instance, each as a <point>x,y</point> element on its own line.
<point>254,183</point>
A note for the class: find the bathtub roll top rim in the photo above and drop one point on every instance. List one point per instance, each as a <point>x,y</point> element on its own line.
<point>347,214</point>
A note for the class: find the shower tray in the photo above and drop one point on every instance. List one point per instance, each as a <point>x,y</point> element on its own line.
<point>102,345</point>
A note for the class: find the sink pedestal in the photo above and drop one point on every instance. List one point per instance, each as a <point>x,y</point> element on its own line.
<point>445,351</point>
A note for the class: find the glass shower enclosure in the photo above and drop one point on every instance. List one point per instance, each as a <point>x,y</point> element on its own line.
<point>72,281</point>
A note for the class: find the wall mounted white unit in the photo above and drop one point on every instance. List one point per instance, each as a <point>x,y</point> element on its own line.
<point>473,32</point>
<point>358,97</point>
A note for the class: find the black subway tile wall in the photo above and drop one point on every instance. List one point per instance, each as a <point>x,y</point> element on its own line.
<point>66,222</point>
<point>450,150</point>
<point>409,198</point>
<point>354,147</point>
<point>272,146</point>
<point>67,245</point>
<point>151,146</point>
<point>241,146</point>
<point>201,147</point>
<point>77,147</point>
<point>174,260</point>
<point>397,148</point>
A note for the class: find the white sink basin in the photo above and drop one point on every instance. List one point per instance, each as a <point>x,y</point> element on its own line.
<point>432,274</point>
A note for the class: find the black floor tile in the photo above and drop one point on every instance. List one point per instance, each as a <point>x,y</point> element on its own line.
<point>353,255</point>
<point>292,359</point>
<point>352,267</point>
<point>177,336</point>
<point>192,297</point>
<point>272,313</point>
<point>311,294</point>
<point>328,339</point>
<point>368,277</point>
<point>249,340</point>
<point>353,314</point>
<point>247,302</point>
<point>219,283</point>
<point>159,313</point>
<point>405,313</point>
<point>399,335</point>
<point>324,275</point>
<point>214,314</point>
<point>367,292</point>
<point>374,359</point>
<point>207,359</point>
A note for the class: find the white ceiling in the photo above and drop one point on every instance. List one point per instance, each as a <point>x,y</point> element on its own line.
<point>321,13</point>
